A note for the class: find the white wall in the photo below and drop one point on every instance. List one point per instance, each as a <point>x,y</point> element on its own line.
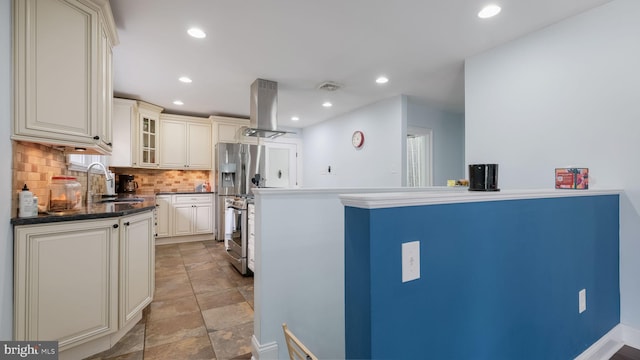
<point>448,138</point>
<point>299,277</point>
<point>566,95</point>
<point>6,234</point>
<point>378,163</point>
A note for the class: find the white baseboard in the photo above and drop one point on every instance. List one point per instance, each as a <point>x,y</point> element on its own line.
<point>268,351</point>
<point>630,336</point>
<point>184,239</point>
<point>611,342</point>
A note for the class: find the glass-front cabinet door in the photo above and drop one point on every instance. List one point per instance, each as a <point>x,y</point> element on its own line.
<point>148,131</point>
<point>148,140</point>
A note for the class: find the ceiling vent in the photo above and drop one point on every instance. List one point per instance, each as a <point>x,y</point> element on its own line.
<point>329,86</point>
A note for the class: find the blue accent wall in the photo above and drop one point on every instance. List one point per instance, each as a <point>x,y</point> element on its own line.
<point>499,280</point>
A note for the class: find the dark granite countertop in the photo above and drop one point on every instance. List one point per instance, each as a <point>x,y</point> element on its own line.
<point>184,192</point>
<point>95,211</point>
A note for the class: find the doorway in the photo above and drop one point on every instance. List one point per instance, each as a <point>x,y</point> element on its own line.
<point>419,157</point>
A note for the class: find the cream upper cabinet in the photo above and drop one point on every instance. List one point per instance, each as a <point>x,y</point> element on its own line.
<point>137,264</point>
<point>173,144</point>
<point>229,130</point>
<point>66,281</point>
<point>105,91</point>
<point>199,147</point>
<point>124,120</point>
<point>135,133</point>
<point>228,133</point>
<point>62,68</point>
<point>148,131</point>
<point>185,142</point>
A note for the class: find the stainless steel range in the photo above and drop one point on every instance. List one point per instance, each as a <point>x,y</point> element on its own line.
<point>238,233</point>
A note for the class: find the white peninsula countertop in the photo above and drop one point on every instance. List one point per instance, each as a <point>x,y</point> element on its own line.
<point>416,198</point>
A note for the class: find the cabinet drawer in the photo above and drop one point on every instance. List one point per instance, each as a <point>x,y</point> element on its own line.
<point>193,199</point>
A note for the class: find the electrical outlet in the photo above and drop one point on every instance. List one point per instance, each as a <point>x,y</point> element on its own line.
<point>582,301</point>
<point>410,261</point>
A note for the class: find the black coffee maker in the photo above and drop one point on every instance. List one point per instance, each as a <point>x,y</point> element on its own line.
<point>126,184</point>
<point>483,177</point>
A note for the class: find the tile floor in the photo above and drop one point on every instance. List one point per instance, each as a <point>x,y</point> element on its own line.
<point>202,309</point>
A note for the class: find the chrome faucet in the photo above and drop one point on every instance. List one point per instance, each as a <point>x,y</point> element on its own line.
<point>106,175</point>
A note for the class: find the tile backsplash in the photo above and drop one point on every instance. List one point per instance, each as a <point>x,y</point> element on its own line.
<point>35,164</point>
<point>151,181</point>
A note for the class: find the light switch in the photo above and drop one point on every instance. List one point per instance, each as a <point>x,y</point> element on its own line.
<point>582,301</point>
<point>410,261</point>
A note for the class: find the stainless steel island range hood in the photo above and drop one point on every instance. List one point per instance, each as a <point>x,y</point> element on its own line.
<point>263,121</point>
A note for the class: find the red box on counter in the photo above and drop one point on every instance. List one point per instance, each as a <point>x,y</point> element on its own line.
<point>572,178</point>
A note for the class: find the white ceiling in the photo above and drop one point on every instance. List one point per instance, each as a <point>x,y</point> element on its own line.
<point>419,44</point>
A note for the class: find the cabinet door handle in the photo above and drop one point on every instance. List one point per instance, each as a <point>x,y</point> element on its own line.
<point>96,137</point>
<point>115,226</point>
<point>127,224</point>
<point>110,144</point>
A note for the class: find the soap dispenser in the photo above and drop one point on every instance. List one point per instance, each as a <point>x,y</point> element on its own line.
<point>25,202</point>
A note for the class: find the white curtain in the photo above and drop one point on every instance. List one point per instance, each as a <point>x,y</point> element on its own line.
<point>415,161</point>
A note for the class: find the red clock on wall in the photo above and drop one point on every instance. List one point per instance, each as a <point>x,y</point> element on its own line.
<point>357,139</point>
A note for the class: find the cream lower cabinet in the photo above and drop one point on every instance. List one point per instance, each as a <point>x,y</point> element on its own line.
<point>66,281</point>
<point>192,214</point>
<point>163,215</point>
<point>79,281</point>
<point>137,265</point>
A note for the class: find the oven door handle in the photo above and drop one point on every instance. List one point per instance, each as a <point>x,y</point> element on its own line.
<point>235,258</point>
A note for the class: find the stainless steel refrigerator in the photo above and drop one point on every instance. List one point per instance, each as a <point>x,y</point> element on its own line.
<point>240,167</point>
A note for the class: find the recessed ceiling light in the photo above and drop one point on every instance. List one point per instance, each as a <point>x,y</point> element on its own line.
<point>382,80</point>
<point>489,11</point>
<point>295,118</point>
<point>185,79</point>
<point>197,33</point>
<point>178,102</point>
<point>327,104</point>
